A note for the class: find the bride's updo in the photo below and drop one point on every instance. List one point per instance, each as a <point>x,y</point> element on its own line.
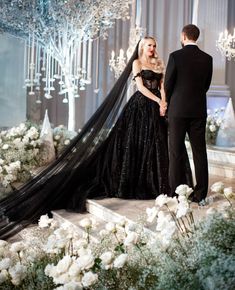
<point>160,67</point>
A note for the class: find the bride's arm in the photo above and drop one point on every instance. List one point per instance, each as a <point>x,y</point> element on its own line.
<point>136,69</point>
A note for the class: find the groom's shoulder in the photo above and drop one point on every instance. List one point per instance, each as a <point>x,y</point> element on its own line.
<point>176,52</point>
<point>206,54</point>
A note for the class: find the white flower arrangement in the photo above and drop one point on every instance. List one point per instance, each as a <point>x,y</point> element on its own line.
<point>126,257</point>
<point>22,151</point>
<point>213,124</point>
<point>62,137</point>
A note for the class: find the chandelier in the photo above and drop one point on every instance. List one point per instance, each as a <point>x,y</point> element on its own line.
<point>118,62</point>
<point>226,44</point>
<point>59,37</point>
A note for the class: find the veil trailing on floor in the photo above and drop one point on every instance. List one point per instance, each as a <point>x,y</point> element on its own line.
<point>65,183</point>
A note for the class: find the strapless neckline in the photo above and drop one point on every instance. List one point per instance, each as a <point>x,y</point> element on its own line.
<point>151,71</point>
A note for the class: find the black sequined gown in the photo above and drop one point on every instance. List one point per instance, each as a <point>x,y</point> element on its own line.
<point>134,161</point>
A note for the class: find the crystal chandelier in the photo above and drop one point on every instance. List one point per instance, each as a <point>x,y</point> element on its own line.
<point>59,37</point>
<point>118,63</point>
<point>226,44</point>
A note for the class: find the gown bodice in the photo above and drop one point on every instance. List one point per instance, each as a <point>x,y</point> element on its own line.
<point>151,79</point>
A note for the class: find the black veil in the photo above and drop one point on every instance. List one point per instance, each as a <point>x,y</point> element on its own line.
<point>66,183</point>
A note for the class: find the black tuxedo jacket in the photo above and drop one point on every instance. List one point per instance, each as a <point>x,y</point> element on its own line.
<point>188,77</point>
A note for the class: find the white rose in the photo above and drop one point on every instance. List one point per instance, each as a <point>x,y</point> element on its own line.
<point>122,221</point>
<point>107,259</point>
<point>50,270</point>
<point>103,233</point>
<point>110,227</point>
<point>89,279</point>
<point>44,221</point>
<point>17,273</point>
<point>86,223</point>
<point>217,187</point>
<point>151,213</point>
<point>64,264</point>
<point>182,210</point>
<point>62,278</point>
<point>120,261</point>
<point>17,247</point>
<point>172,203</point>
<point>3,276</point>
<point>5,264</point>
<point>131,239</point>
<point>3,243</point>
<point>161,200</point>
<point>85,262</point>
<point>74,270</point>
<point>57,137</point>
<point>70,286</point>
<point>66,142</point>
<point>228,192</point>
<point>212,128</point>
<point>5,146</point>
<point>184,189</point>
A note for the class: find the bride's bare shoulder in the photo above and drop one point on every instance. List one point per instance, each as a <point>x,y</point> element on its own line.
<point>136,63</point>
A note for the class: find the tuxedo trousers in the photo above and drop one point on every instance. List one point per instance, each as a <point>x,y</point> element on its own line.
<point>195,128</point>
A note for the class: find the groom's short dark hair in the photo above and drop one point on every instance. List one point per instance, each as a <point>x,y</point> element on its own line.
<point>191,31</point>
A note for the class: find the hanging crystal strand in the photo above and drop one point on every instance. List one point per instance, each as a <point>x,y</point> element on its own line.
<point>32,66</point>
<point>37,73</point>
<point>47,88</point>
<point>76,95</point>
<point>25,63</point>
<point>97,68</point>
<point>89,64</point>
<point>79,51</point>
<point>84,55</point>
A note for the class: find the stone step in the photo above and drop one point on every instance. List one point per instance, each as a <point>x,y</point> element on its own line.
<point>74,219</point>
<point>221,170</point>
<point>221,161</point>
<point>221,155</point>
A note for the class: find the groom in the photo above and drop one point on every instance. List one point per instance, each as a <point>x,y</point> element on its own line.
<point>188,77</point>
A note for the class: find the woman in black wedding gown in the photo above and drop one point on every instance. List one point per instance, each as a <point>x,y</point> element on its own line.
<point>121,151</point>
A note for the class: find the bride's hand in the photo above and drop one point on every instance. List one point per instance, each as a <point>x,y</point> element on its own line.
<point>163,108</point>
<point>162,111</point>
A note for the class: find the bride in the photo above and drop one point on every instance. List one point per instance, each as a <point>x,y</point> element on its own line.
<point>121,151</point>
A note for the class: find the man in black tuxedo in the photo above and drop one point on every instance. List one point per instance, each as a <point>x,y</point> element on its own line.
<point>188,77</point>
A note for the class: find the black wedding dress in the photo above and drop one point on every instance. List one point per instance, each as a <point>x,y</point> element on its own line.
<point>120,152</point>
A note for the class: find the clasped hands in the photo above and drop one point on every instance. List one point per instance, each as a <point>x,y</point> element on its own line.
<point>163,108</point>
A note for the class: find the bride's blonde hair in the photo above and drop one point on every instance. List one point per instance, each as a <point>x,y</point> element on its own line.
<point>160,67</point>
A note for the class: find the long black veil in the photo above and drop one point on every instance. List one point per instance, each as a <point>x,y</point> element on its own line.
<point>65,182</point>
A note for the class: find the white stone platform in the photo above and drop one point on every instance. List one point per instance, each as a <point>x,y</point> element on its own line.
<point>221,161</point>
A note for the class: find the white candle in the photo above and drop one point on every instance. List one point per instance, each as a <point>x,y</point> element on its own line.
<point>121,54</point>
<point>112,55</point>
<point>220,36</point>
